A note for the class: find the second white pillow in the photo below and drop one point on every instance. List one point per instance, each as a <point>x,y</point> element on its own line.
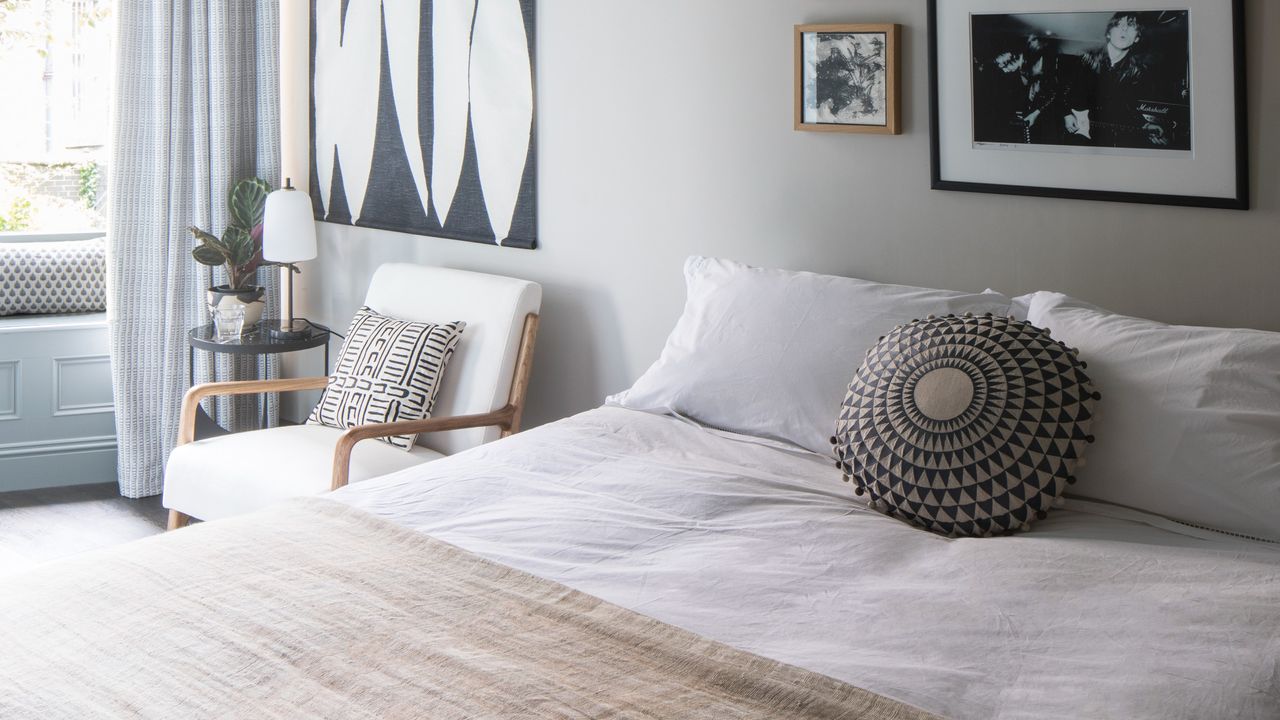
<point>771,352</point>
<point>1189,423</point>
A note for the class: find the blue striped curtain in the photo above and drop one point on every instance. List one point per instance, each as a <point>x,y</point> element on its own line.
<point>196,109</point>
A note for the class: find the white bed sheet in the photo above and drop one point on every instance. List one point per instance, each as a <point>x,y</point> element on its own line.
<point>1091,615</point>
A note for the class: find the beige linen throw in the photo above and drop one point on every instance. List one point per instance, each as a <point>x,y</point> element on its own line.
<point>317,610</point>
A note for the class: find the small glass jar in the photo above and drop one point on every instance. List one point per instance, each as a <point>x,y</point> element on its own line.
<point>228,322</point>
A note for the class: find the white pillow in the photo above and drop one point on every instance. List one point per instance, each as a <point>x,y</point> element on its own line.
<point>1020,306</point>
<point>771,353</point>
<point>1189,422</point>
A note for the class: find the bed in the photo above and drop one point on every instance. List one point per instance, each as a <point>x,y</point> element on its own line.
<point>736,573</point>
<point>1099,612</point>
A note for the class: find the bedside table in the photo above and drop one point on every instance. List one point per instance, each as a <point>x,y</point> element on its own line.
<point>257,342</point>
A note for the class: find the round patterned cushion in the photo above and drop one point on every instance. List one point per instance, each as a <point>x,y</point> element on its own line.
<point>966,426</point>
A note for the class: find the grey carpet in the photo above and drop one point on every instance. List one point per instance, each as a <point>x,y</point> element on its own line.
<point>37,526</point>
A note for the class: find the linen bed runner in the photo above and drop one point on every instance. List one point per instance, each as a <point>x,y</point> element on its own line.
<point>314,609</point>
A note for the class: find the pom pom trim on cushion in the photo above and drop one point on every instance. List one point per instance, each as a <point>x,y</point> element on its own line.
<point>965,426</point>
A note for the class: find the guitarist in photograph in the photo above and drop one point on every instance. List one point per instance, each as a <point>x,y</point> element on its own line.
<point>1122,97</point>
<point>1022,94</point>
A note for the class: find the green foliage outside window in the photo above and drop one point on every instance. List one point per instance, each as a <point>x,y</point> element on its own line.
<point>23,24</point>
<point>90,176</point>
<point>18,216</point>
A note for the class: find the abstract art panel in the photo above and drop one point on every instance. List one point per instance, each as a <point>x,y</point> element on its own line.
<point>422,117</point>
<point>847,78</point>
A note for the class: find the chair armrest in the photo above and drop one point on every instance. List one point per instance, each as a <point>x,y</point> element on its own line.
<point>191,401</point>
<point>503,418</point>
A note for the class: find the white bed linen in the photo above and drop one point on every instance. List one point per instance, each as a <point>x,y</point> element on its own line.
<point>1093,614</point>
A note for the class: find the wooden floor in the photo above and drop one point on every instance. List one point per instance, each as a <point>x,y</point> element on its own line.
<point>37,526</point>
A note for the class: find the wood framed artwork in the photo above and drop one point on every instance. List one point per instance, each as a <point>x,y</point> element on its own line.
<point>1141,101</point>
<point>847,78</point>
<point>422,117</point>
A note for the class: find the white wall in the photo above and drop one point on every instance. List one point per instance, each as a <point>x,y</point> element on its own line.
<point>664,129</point>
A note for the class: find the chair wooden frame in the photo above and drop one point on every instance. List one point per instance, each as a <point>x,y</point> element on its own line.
<point>507,417</point>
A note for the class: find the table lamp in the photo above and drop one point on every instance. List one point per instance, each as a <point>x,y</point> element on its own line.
<point>288,236</point>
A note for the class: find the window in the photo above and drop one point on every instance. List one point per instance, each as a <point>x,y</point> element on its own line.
<point>56,61</point>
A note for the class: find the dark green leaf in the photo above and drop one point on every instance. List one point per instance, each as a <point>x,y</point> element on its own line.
<point>248,202</point>
<point>240,245</point>
<point>208,239</point>
<point>208,255</point>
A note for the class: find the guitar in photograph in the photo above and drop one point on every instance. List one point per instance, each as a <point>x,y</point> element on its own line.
<point>1160,126</point>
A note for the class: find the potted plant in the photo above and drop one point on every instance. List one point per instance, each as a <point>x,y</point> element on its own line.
<point>238,251</point>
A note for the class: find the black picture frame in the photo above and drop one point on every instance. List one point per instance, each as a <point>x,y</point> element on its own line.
<point>1236,198</point>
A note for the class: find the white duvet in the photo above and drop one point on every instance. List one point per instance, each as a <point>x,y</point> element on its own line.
<point>1096,613</point>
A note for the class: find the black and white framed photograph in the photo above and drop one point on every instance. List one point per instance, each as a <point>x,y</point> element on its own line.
<point>1090,99</point>
<point>847,78</point>
<point>1091,82</point>
<point>422,117</point>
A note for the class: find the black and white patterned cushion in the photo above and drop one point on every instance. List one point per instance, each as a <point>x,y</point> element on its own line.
<point>53,277</point>
<point>966,426</point>
<point>389,370</point>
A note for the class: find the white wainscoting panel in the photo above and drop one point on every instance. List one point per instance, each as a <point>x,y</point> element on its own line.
<point>82,385</point>
<point>10,389</point>
<point>55,379</point>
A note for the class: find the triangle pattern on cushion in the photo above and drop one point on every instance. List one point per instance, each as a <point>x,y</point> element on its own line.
<point>985,451</point>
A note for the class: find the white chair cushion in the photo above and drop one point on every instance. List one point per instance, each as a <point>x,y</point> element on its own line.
<point>494,308</point>
<point>238,473</point>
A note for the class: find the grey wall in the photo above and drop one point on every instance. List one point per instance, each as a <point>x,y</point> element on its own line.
<point>665,130</point>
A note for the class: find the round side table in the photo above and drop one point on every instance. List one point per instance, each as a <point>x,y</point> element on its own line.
<point>256,341</point>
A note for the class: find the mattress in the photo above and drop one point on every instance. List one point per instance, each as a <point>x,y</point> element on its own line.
<point>1099,612</point>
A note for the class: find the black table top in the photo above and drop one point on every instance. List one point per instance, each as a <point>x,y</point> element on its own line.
<point>257,341</point>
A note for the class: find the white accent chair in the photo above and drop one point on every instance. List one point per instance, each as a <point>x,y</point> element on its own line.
<point>481,400</point>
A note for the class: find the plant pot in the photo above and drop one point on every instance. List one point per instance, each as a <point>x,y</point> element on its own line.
<point>251,298</point>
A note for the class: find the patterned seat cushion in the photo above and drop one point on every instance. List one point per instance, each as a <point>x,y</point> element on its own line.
<point>53,277</point>
<point>966,426</point>
<point>388,370</point>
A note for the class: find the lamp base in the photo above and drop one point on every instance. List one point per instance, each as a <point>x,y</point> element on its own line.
<point>289,330</point>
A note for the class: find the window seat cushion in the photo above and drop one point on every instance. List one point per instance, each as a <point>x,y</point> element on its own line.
<point>53,277</point>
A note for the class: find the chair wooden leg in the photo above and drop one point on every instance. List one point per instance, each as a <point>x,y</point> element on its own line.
<point>178,520</point>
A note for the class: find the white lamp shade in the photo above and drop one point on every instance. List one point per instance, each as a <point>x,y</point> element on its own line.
<point>289,227</point>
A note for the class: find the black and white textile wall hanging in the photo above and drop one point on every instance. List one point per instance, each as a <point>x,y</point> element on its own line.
<point>422,117</point>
